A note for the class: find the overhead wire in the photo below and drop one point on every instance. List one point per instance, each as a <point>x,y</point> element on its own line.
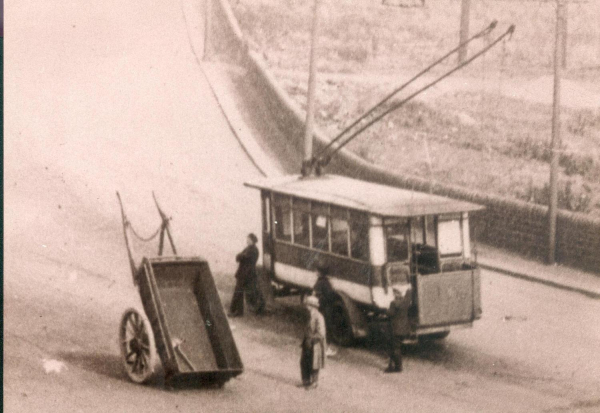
<point>477,35</point>
<point>322,161</point>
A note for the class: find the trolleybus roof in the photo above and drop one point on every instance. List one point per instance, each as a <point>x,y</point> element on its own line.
<point>374,198</point>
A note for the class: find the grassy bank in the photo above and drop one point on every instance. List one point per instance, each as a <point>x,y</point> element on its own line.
<point>479,130</point>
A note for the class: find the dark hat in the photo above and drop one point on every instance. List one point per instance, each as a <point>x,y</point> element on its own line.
<point>253,237</point>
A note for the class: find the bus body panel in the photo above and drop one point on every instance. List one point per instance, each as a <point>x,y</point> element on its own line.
<point>448,298</point>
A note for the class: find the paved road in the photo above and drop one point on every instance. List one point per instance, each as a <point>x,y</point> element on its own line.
<point>109,95</point>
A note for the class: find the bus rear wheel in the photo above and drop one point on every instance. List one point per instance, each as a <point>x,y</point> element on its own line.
<point>340,327</point>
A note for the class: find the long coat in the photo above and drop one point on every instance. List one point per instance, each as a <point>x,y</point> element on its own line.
<point>315,337</point>
<point>247,264</point>
<point>399,324</point>
<point>324,291</point>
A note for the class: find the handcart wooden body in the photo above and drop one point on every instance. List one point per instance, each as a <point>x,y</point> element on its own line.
<point>184,322</point>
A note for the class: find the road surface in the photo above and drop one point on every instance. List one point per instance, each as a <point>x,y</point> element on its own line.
<point>106,96</point>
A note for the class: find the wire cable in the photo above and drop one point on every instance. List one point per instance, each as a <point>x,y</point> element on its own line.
<point>323,161</point>
<point>481,33</point>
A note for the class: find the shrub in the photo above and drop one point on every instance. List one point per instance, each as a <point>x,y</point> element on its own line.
<point>576,164</point>
<point>571,196</point>
<point>583,122</point>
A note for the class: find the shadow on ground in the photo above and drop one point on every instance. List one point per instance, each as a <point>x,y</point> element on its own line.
<point>105,364</point>
<point>110,365</point>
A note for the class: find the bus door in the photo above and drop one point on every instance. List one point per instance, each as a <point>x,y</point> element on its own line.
<point>447,293</point>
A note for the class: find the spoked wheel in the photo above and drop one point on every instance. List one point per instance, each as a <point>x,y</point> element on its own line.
<point>137,346</point>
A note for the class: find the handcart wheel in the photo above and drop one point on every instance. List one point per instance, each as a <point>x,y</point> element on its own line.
<point>137,346</point>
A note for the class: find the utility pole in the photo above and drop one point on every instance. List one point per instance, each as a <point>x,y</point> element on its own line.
<point>207,28</point>
<point>465,7</point>
<point>565,32</point>
<point>307,166</point>
<point>555,143</point>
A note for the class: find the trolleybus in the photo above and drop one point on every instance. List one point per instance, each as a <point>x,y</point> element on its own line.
<point>375,239</point>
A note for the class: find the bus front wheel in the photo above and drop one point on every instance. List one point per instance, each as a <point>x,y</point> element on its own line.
<point>340,326</point>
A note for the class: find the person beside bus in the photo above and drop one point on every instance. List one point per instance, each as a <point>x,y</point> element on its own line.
<point>326,296</point>
<point>323,290</point>
<point>246,278</point>
<point>398,328</point>
<point>312,358</point>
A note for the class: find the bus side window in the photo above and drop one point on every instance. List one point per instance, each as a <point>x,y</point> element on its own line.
<point>320,226</point>
<point>359,236</point>
<point>282,218</point>
<point>397,242</point>
<point>430,231</point>
<point>301,222</point>
<point>417,231</point>
<point>340,231</point>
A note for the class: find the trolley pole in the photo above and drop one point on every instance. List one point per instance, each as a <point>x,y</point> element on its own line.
<point>555,143</point>
<point>307,167</point>
<point>465,7</point>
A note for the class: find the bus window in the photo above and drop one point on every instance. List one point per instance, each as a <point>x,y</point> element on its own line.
<point>320,226</point>
<point>430,231</point>
<point>301,222</point>
<point>359,236</point>
<point>340,231</point>
<point>282,218</point>
<point>397,243</point>
<point>466,235</point>
<point>449,236</point>
<point>417,231</point>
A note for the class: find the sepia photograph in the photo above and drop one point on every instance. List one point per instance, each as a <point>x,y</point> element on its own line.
<point>301,206</point>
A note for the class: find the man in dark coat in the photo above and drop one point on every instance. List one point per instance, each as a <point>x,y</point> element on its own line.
<point>326,295</point>
<point>398,328</point>
<point>323,290</point>
<point>246,279</point>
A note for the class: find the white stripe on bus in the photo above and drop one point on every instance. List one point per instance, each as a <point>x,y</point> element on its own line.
<point>358,292</point>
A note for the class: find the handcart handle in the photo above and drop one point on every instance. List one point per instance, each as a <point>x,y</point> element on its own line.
<point>129,253</point>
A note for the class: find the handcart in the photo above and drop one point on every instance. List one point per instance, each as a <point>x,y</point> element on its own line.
<point>183,319</point>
